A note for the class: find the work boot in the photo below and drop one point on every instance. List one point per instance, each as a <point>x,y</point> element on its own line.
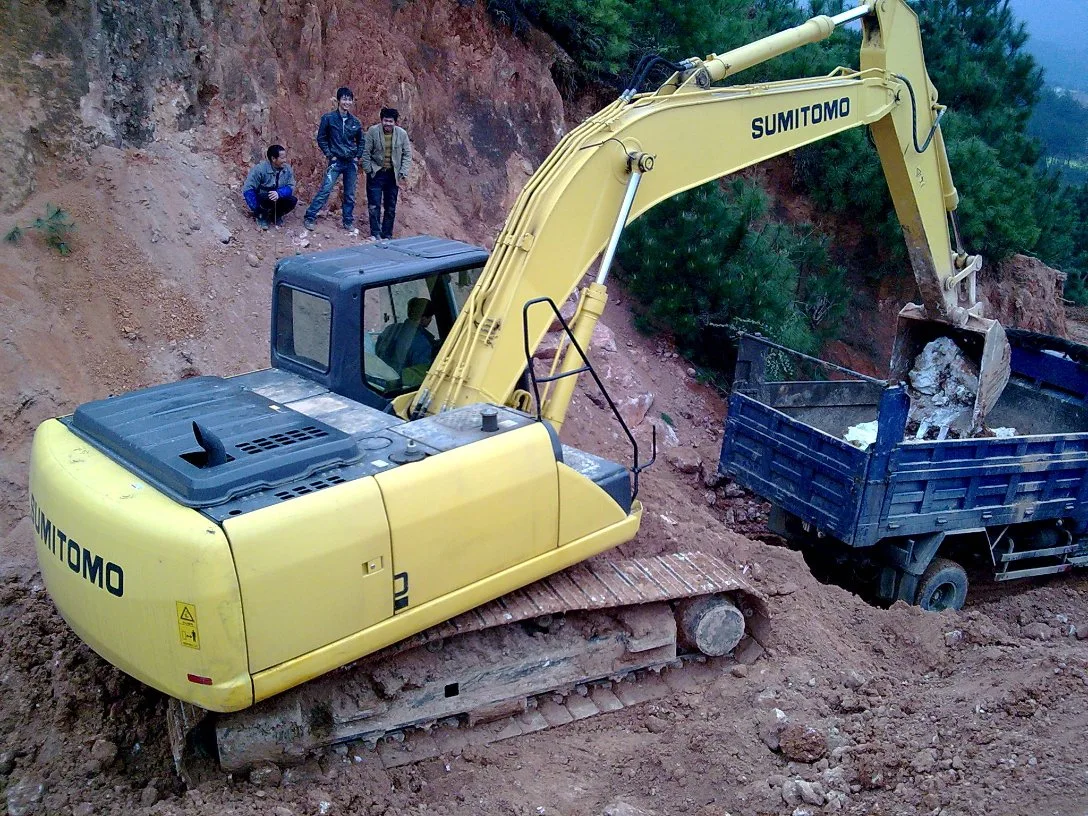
<point>262,223</point>
<point>350,230</point>
<point>309,224</point>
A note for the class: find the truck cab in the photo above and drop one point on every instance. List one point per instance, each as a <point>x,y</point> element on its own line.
<point>366,321</point>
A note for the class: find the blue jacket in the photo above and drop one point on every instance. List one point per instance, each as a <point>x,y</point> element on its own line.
<point>264,178</point>
<point>339,137</point>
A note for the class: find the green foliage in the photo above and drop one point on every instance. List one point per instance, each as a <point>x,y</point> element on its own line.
<point>996,199</point>
<point>606,38</point>
<point>1060,122</point>
<point>597,34</point>
<point>710,262</point>
<point>713,258</point>
<point>56,227</point>
<point>667,420</point>
<point>1010,200</point>
<point>1076,287</point>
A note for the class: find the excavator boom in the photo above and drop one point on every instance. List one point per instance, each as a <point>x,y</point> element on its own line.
<point>687,133</point>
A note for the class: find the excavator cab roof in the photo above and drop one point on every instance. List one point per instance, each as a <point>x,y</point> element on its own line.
<point>367,265</point>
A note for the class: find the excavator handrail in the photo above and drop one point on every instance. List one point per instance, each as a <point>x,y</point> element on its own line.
<point>636,467</point>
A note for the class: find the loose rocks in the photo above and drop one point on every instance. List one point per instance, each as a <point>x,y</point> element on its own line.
<point>801,743</point>
<point>220,231</point>
<point>24,796</point>
<point>266,774</point>
<point>797,792</point>
<point>623,809</point>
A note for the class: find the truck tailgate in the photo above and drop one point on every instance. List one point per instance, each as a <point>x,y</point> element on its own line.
<point>809,473</point>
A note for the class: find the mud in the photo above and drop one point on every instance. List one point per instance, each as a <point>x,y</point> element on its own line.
<point>845,708</point>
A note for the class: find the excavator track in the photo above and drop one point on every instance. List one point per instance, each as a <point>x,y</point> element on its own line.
<point>550,710</point>
<point>590,639</point>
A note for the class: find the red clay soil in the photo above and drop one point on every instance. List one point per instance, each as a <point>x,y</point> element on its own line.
<point>847,708</point>
<point>886,711</point>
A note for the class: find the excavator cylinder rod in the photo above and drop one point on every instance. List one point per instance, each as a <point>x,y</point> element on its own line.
<point>720,66</point>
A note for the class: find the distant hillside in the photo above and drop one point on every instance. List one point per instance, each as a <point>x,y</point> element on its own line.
<point>1060,122</point>
<point>1066,66</point>
<point>1056,39</point>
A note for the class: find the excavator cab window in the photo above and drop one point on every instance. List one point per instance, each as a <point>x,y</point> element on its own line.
<point>303,327</point>
<point>405,324</point>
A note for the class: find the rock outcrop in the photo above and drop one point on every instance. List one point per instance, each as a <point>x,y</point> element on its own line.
<point>1026,294</point>
<point>233,77</point>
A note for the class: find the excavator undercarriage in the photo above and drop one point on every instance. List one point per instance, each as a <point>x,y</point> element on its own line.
<point>587,640</point>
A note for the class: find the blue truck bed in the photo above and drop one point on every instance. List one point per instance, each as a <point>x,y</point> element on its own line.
<point>783,440</point>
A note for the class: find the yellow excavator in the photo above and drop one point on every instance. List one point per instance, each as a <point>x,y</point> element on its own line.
<point>382,530</point>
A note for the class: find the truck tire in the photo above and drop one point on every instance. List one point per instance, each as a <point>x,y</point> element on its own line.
<point>943,586</point>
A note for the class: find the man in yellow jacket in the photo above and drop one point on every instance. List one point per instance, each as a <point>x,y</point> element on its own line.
<point>386,159</point>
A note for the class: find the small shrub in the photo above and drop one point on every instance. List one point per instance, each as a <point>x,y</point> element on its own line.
<point>56,226</point>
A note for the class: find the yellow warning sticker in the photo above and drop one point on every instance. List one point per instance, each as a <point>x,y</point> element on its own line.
<point>187,631</point>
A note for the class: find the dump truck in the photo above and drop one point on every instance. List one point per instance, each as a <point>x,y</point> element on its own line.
<point>904,517</point>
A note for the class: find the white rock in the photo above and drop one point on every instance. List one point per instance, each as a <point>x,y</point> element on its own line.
<point>220,231</point>
<point>943,384</point>
<point>862,435</point>
<point>671,438</point>
<point>796,792</point>
<point>619,808</point>
<point>24,796</point>
<point>603,338</point>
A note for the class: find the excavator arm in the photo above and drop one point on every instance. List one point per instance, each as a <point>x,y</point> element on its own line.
<point>645,148</point>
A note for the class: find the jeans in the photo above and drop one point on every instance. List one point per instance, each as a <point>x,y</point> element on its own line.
<point>337,168</point>
<point>273,211</point>
<point>382,184</point>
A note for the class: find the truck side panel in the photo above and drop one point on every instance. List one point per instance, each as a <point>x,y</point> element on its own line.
<point>944,485</point>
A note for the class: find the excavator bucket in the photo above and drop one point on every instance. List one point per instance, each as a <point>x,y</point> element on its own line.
<point>982,340</point>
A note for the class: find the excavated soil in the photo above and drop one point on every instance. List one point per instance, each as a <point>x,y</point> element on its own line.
<point>885,711</point>
<point>845,709</point>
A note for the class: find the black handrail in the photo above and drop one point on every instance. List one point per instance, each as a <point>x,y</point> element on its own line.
<point>636,467</point>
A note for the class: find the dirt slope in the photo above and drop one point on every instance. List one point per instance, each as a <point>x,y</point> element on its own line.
<point>911,713</point>
<point>980,712</point>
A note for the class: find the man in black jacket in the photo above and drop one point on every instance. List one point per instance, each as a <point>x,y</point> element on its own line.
<point>340,138</point>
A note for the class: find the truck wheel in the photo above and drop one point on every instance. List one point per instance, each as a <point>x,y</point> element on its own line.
<point>943,586</point>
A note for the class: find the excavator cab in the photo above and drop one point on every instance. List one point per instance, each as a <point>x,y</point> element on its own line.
<point>367,321</point>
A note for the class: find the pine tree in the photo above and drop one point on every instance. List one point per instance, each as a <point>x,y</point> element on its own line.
<point>712,261</point>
